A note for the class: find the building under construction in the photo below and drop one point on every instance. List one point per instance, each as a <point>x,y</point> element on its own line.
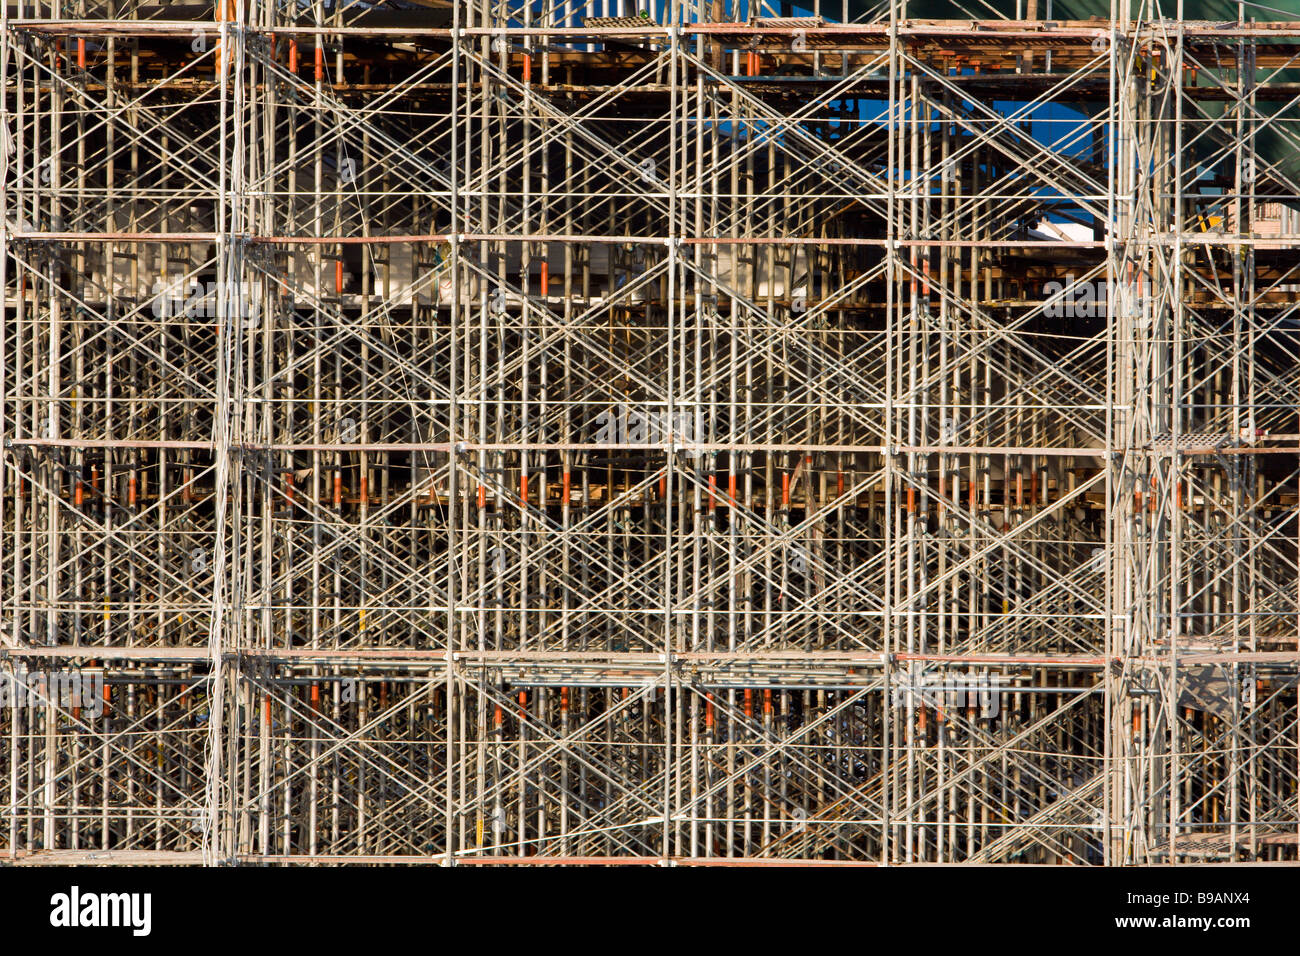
<point>697,431</point>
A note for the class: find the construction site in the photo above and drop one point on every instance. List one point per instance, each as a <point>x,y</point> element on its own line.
<point>650,431</point>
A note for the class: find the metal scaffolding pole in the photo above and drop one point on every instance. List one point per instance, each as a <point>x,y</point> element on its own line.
<point>557,432</point>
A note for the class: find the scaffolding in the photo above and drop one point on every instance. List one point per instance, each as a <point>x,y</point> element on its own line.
<point>593,431</point>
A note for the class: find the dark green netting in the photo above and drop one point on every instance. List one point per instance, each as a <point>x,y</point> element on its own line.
<point>1277,144</point>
